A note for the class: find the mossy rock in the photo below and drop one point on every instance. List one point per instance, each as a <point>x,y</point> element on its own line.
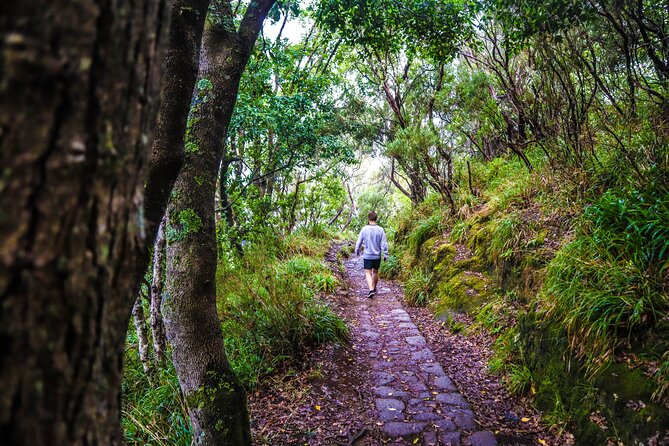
<point>470,264</point>
<point>564,392</point>
<point>479,240</point>
<point>442,257</point>
<point>425,251</point>
<point>481,216</point>
<point>465,291</point>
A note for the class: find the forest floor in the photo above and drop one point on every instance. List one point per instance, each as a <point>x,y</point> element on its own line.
<point>403,379</point>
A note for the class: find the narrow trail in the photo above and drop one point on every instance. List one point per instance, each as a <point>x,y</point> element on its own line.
<point>390,385</point>
<point>415,401</point>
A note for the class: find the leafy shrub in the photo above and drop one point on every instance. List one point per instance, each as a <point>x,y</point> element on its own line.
<point>271,314</point>
<point>324,282</point>
<point>459,231</point>
<point>417,288</point>
<point>302,267</point>
<point>608,285</point>
<point>506,237</point>
<point>298,266</point>
<point>662,379</point>
<point>300,243</point>
<point>424,229</point>
<point>519,379</point>
<point>390,268</point>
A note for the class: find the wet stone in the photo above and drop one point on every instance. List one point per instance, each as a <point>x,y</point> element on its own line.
<point>402,429</point>
<point>389,404</point>
<point>418,386</point>
<point>430,438</point>
<point>444,383</point>
<point>450,439</point>
<point>391,415</point>
<point>381,364</point>
<point>416,340</point>
<point>444,425</point>
<point>452,399</point>
<point>464,420</point>
<point>433,369</point>
<point>422,355</point>
<point>383,378</point>
<point>385,391</point>
<point>483,438</point>
<point>425,416</point>
<point>371,335</point>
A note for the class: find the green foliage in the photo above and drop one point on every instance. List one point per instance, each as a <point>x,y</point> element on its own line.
<point>270,310</point>
<point>459,231</point>
<point>506,237</point>
<point>391,268</point>
<point>662,379</point>
<point>433,26</point>
<point>152,409</point>
<point>301,243</point>
<point>519,379</point>
<point>417,288</point>
<point>388,205</point>
<point>326,283</point>
<point>608,285</point>
<point>423,230</point>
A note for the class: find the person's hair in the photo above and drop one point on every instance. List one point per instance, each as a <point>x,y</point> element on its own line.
<point>372,216</point>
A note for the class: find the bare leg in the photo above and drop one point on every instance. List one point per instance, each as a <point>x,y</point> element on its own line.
<point>370,279</point>
<point>375,277</point>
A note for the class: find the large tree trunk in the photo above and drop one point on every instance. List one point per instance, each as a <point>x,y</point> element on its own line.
<point>180,68</point>
<point>79,85</point>
<point>215,399</point>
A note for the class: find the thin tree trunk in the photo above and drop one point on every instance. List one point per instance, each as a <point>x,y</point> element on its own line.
<point>216,401</point>
<point>293,208</point>
<point>142,334</point>
<point>351,210</point>
<point>78,102</point>
<point>156,318</point>
<point>334,219</point>
<point>226,206</point>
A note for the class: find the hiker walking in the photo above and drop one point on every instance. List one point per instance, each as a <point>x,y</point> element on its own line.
<point>373,238</point>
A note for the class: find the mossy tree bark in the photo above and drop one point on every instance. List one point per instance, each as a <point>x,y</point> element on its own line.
<point>157,285</point>
<point>139,318</point>
<point>215,399</point>
<point>180,68</point>
<point>79,89</point>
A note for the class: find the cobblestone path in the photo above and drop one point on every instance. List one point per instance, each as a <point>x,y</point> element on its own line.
<point>415,402</point>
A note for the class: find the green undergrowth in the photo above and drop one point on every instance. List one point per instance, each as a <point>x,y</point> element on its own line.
<point>572,280</point>
<point>272,307</point>
<point>153,411</point>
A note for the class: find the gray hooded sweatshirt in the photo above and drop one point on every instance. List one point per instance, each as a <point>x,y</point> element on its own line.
<point>373,237</point>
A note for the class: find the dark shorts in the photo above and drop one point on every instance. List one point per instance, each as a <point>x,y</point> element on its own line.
<point>372,263</point>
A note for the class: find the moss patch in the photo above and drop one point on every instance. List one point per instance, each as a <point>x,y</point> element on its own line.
<point>465,291</point>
